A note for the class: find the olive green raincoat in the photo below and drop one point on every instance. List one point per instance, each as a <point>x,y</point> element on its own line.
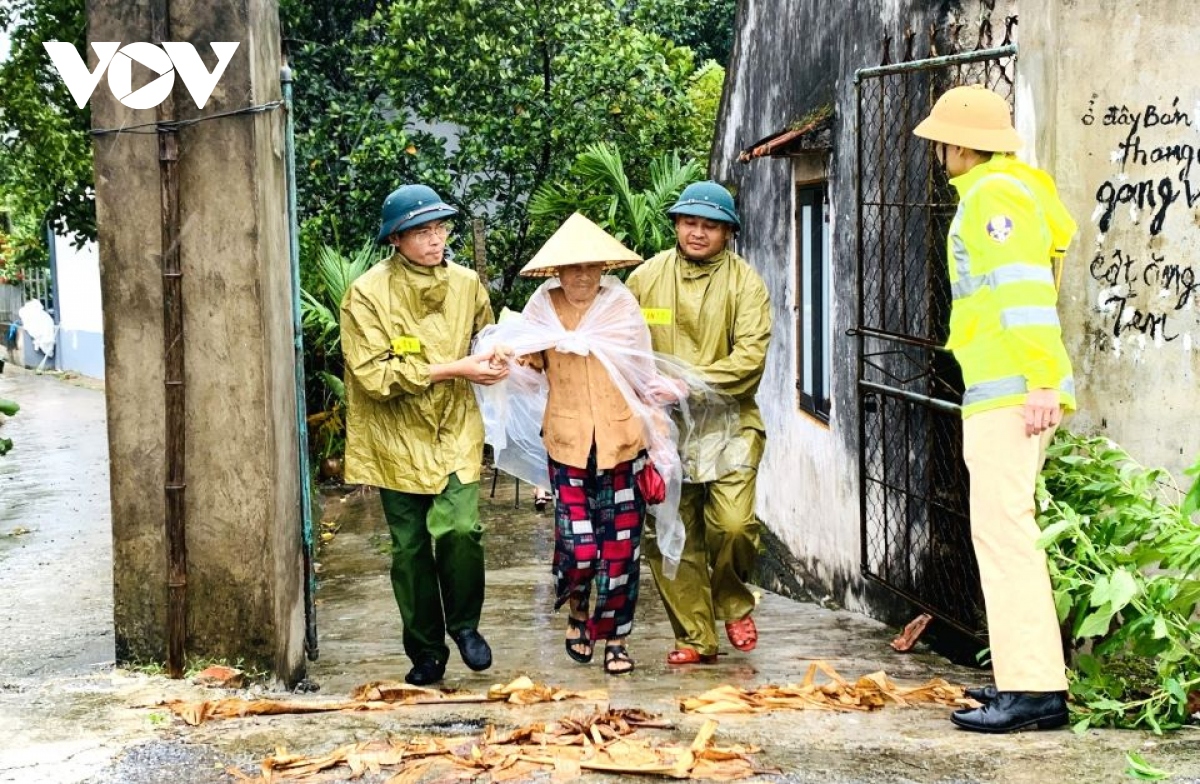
<point>716,316</point>
<point>404,433</point>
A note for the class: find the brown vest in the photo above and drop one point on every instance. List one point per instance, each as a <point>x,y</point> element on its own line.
<point>584,405</point>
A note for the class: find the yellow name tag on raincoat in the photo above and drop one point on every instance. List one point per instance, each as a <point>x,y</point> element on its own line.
<point>406,344</point>
<point>658,317</point>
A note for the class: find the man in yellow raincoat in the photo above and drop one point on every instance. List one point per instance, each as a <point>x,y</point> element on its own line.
<point>1005,334</point>
<point>413,427</point>
<point>707,306</point>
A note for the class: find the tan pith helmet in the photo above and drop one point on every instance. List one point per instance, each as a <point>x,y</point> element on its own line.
<point>973,117</point>
<point>579,241</point>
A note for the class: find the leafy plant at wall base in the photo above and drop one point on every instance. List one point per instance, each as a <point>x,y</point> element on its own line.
<point>7,408</point>
<point>1191,504</point>
<point>1137,767</point>
<point>1123,560</point>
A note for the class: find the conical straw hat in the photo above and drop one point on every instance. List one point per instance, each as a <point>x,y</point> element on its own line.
<point>579,241</point>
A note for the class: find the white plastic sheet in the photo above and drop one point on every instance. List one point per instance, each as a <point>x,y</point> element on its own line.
<point>39,326</point>
<point>693,439</point>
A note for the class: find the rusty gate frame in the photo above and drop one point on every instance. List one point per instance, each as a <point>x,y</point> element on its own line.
<point>914,489</point>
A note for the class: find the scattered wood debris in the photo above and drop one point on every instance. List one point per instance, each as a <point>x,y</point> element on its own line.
<point>220,676</point>
<point>907,639</point>
<point>870,692</point>
<point>379,695</point>
<point>601,742</point>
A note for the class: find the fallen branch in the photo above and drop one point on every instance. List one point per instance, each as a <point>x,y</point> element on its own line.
<point>380,695</point>
<point>868,693</point>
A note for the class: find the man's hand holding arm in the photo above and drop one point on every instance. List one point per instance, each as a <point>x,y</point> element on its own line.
<point>476,368</point>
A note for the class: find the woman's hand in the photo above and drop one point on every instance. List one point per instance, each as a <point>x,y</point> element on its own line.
<point>501,355</point>
<point>664,391</point>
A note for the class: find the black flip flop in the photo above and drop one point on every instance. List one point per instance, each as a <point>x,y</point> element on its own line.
<point>617,654</point>
<point>582,639</point>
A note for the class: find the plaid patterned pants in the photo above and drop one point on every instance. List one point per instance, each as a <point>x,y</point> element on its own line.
<point>598,517</point>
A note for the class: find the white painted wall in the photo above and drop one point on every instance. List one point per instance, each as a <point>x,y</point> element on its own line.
<point>78,286</point>
<point>807,489</point>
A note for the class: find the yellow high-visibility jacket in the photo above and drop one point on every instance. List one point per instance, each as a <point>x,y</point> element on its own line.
<point>403,432</point>
<point>714,315</point>
<point>1004,327</point>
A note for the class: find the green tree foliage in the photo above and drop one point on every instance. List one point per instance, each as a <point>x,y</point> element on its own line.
<point>45,149</point>
<point>1125,565</point>
<point>706,28</point>
<point>704,93</point>
<point>599,187</point>
<point>353,146</point>
<point>527,84</point>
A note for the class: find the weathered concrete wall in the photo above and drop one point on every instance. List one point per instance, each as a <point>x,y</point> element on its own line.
<point>790,57</point>
<point>1121,118</point>
<point>243,527</point>
<point>807,490</point>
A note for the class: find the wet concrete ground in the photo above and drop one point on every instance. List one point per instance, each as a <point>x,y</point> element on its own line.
<point>67,715</point>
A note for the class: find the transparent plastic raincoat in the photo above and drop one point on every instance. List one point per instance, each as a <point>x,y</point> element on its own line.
<point>682,438</point>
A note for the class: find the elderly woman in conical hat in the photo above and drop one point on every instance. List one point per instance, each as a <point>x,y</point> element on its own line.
<point>597,369</point>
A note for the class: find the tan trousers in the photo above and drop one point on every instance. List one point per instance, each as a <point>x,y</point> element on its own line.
<point>1026,646</point>
<point>719,555</point>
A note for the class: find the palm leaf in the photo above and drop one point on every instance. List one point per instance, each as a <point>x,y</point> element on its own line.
<point>599,187</point>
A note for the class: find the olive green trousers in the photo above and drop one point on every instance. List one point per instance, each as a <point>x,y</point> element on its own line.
<point>719,554</point>
<point>437,565</point>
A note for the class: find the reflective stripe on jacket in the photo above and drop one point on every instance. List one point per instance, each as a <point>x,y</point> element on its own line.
<point>402,431</point>
<point>1004,327</point>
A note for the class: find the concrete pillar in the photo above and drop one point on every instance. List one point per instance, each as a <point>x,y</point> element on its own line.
<point>245,581</point>
<point>1111,88</point>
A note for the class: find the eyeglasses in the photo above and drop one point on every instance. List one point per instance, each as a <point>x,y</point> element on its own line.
<point>431,230</point>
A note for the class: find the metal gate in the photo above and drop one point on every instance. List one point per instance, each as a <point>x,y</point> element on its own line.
<point>914,508</point>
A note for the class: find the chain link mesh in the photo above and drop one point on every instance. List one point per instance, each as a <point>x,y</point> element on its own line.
<point>915,505</point>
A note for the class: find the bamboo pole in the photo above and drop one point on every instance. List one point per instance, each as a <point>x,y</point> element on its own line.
<point>173,366</point>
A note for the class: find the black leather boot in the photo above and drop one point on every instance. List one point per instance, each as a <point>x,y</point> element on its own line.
<point>1015,710</point>
<point>425,672</point>
<point>475,651</point>
<point>983,694</point>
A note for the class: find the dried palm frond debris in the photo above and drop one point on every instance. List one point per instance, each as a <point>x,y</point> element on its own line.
<point>378,695</point>
<point>601,742</point>
<point>868,693</point>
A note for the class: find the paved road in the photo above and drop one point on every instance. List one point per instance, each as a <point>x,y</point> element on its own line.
<point>67,716</point>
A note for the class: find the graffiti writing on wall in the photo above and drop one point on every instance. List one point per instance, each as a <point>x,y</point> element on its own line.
<point>1147,215</point>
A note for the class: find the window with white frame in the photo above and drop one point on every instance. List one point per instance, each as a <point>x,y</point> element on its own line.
<point>814,342</point>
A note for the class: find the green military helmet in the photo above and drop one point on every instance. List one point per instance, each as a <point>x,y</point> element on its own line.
<point>706,199</point>
<point>409,206</point>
